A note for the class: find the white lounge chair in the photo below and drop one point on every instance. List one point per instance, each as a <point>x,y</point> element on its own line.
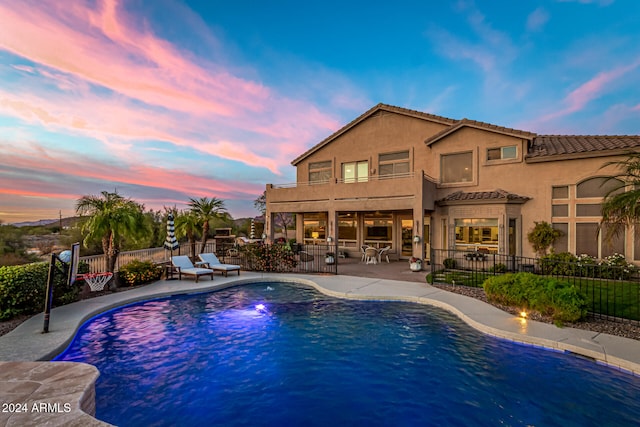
<point>212,261</point>
<point>183,264</point>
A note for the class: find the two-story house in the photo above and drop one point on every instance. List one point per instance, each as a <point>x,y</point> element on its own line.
<point>411,180</point>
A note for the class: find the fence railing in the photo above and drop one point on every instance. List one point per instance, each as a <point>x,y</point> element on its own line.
<point>613,292</point>
<point>98,263</point>
<point>253,257</point>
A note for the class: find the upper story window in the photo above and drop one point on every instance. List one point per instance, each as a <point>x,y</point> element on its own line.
<point>456,168</point>
<point>393,164</point>
<point>502,153</point>
<point>355,171</point>
<point>320,172</point>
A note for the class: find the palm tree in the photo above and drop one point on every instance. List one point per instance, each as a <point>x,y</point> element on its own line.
<point>111,218</point>
<point>187,224</point>
<point>621,206</point>
<point>207,210</point>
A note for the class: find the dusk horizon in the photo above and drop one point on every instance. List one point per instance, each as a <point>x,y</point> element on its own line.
<point>170,100</point>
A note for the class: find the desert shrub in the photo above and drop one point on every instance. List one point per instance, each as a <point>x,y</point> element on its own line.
<point>562,301</point>
<point>139,272</point>
<point>449,263</point>
<point>23,289</point>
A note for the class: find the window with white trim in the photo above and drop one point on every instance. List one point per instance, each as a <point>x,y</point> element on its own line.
<point>355,171</point>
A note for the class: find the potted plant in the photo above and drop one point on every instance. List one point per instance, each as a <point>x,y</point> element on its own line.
<point>330,258</point>
<point>415,264</point>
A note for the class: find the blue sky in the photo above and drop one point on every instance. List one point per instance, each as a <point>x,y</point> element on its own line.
<point>167,100</point>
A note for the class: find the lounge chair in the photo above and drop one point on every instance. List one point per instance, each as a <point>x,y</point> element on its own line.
<point>212,261</point>
<point>183,264</point>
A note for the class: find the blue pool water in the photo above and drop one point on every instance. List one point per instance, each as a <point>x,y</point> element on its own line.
<point>311,360</point>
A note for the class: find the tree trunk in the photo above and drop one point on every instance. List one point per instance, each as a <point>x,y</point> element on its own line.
<point>205,234</point>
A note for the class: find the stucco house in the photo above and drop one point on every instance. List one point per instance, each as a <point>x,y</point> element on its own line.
<point>411,180</point>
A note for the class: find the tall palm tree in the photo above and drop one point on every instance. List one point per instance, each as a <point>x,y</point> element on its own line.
<point>207,210</point>
<point>187,224</point>
<point>111,218</point>
<point>621,207</point>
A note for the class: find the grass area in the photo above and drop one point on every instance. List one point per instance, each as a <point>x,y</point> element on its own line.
<point>615,298</point>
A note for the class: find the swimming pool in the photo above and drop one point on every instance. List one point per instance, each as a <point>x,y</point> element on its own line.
<point>310,359</point>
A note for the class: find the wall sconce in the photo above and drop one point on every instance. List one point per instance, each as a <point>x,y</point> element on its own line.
<point>264,236</point>
<point>329,239</point>
<point>416,239</point>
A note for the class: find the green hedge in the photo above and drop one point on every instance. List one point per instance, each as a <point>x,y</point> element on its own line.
<point>562,301</point>
<point>139,272</point>
<point>23,289</point>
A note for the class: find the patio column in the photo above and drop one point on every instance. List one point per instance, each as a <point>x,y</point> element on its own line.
<point>300,228</point>
<point>332,226</point>
<point>418,217</point>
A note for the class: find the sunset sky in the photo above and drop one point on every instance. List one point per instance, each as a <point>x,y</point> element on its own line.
<point>166,100</point>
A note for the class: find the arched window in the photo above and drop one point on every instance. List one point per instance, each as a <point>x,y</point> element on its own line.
<point>598,187</point>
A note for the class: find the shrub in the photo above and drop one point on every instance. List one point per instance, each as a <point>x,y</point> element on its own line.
<point>273,258</point>
<point>23,289</point>
<point>616,267</point>
<point>562,301</point>
<point>139,272</point>
<point>542,236</point>
<point>559,264</point>
<point>449,263</point>
<point>498,268</point>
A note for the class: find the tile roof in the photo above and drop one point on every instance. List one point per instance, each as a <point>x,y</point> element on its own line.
<point>497,195</point>
<point>544,146</point>
<point>371,112</point>
<point>478,125</point>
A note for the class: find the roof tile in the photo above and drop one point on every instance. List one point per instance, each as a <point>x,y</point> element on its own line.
<point>497,195</point>
<point>555,145</point>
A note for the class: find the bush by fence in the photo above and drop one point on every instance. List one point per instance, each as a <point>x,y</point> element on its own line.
<point>611,285</point>
<point>138,273</point>
<point>23,289</point>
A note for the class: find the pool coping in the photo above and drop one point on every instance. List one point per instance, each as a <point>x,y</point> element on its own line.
<point>28,344</point>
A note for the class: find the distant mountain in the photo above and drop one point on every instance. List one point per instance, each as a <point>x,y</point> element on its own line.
<point>35,223</point>
<point>42,222</point>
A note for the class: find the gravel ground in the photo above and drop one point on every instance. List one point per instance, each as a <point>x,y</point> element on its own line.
<point>627,330</point>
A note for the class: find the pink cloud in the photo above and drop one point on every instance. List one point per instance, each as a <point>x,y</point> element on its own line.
<point>175,93</point>
<point>585,93</point>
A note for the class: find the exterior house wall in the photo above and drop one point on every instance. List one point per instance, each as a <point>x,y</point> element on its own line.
<point>526,182</point>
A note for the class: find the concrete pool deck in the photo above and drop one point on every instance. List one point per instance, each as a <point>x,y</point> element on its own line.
<point>65,394</point>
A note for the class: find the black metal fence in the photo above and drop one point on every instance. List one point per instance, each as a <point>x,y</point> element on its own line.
<point>612,291</point>
<point>282,258</point>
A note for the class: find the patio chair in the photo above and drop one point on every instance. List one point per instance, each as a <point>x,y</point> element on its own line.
<point>384,252</point>
<point>183,264</point>
<point>364,250</point>
<point>212,261</point>
<point>371,256</point>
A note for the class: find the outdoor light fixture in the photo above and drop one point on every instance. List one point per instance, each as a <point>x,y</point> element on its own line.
<point>416,239</point>
<point>523,314</point>
<point>329,239</point>
<point>260,308</point>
